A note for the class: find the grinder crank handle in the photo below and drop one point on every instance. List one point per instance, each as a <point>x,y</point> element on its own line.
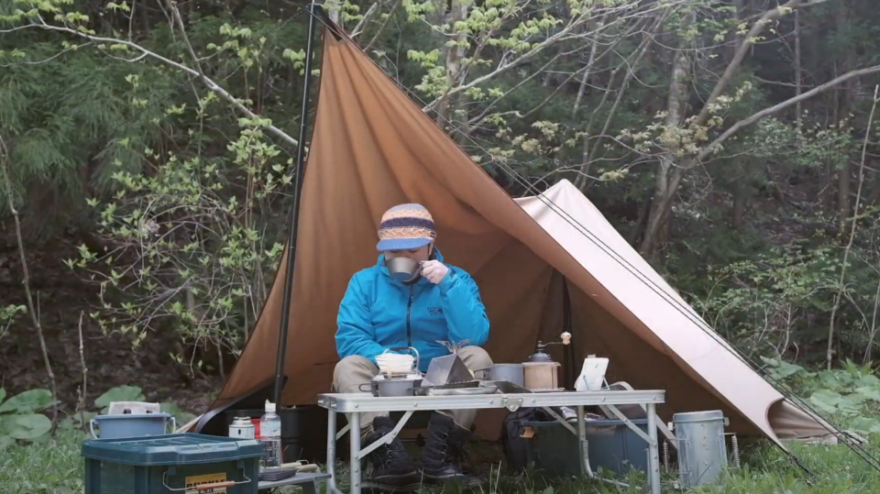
<point>566,340</point>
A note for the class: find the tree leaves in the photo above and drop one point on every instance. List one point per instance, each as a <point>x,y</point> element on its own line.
<point>29,401</point>
<point>17,417</point>
<point>5,442</point>
<point>27,427</point>
<point>120,393</point>
<point>871,393</point>
<point>866,425</point>
<point>826,400</point>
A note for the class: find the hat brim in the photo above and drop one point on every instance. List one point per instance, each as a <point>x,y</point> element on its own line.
<point>391,244</point>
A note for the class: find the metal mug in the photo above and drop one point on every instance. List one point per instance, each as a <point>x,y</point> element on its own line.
<point>404,269</point>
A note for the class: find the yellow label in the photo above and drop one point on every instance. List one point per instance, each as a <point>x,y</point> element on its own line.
<point>193,482</point>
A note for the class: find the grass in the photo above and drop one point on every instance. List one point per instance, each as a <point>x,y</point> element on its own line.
<point>54,466</point>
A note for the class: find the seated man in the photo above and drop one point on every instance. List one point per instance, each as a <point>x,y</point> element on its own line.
<point>379,313</point>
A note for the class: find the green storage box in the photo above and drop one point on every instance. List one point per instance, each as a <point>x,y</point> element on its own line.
<point>610,443</point>
<point>173,463</point>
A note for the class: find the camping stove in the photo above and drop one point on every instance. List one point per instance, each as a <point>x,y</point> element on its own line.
<point>393,384</point>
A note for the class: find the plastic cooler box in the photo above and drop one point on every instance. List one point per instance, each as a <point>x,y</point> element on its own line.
<point>610,444</point>
<point>173,463</point>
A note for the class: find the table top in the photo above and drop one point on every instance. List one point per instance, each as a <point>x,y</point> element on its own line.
<point>366,402</point>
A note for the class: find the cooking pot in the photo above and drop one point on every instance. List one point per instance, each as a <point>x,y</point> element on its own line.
<point>131,425</point>
<point>383,386</point>
<point>403,269</point>
<point>389,364</point>
<point>504,372</point>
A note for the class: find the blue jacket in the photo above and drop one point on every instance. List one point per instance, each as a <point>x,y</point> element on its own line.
<point>379,312</point>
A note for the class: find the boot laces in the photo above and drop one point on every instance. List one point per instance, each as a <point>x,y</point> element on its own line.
<point>388,453</point>
<point>451,452</point>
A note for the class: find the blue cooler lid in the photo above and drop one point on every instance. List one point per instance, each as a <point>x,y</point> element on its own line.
<point>172,449</point>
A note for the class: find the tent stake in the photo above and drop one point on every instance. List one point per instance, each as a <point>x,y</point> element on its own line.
<point>313,9</point>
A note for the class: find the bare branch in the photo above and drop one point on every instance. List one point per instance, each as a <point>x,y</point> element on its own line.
<point>564,34</point>
<point>45,60</point>
<point>82,359</point>
<point>759,26</point>
<point>706,151</point>
<point>382,27</point>
<point>35,319</point>
<point>852,233</point>
<point>360,25</point>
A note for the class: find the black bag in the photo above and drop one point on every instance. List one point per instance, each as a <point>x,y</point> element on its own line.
<point>518,449</point>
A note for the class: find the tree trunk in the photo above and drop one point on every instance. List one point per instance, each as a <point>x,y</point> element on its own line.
<point>875,192</point>
<point>589,70</point>
<point>664,188</point>
<point>843,208</point>
<point>452,55</point>
<point>333,12</point>
<point>639,227</point>
<point>845,98</point>
<point>740,196</point>
<point>797,66</point>
<point>458,12</point>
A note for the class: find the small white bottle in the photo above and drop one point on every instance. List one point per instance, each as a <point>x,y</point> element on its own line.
<point>270,435</point>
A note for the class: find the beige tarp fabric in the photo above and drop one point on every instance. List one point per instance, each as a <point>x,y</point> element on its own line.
<point>373,148</point>
<point>579,227</point>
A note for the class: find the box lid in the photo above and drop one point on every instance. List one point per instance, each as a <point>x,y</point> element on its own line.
<point>132,416</point>
<point>589,423</point>
<point>172,449</point>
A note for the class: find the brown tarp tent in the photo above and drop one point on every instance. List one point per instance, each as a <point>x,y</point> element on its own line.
<point>373,148</point>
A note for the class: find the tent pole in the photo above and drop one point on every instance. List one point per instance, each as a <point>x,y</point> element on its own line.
<point>568,370</point>
<point>313,9</point>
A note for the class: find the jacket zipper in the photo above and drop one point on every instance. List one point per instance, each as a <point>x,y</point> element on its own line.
<point>409,318</point>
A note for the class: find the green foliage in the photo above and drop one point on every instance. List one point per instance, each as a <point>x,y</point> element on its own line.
<point>18,417</point>
<point>119,393</point>
<point>771,300</point>
<point>186,199</point>
<point>55,467</point>
<point>7,317</point>
<point>79,421</point>
<point>849,396</point>
<point>180,415</point>
<point>196,256</point>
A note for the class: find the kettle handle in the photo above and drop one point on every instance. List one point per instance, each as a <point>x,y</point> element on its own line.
<point>418,359</point>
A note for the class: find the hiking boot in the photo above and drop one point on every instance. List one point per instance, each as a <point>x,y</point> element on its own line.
<point>444,451</point>
<point>390,466</point>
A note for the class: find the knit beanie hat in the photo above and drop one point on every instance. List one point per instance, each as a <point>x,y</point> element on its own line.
<point>406,227</point>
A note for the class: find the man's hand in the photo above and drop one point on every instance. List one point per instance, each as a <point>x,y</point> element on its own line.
<point>434,271</point>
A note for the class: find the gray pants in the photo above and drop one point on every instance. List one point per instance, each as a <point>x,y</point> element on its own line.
<point>355,370</point>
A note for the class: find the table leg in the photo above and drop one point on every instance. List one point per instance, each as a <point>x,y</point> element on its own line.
<point>310,488</point>
<point>355,435</point>
<point>583,451</point>
<point>331,451</point>
<point>653,450</point>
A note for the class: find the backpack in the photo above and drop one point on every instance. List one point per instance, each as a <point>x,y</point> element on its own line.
<point>518,449</point>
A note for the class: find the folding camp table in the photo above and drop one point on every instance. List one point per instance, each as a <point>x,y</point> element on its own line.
<point>353,404</point>
<point>307,481</point>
